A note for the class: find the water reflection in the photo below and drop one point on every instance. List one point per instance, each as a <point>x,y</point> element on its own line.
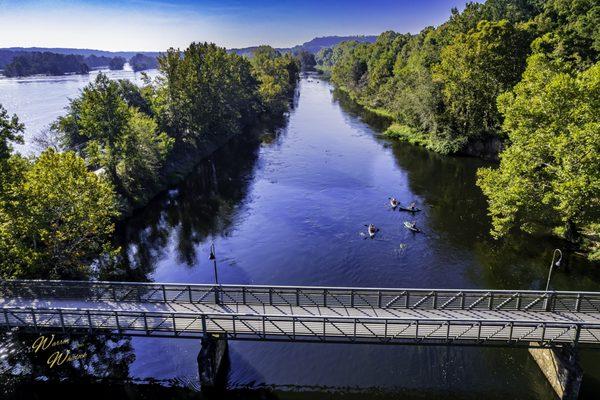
<point>205,205</point>
<point>456,212</point>
<point>289,210</point>
<point>102,356</point>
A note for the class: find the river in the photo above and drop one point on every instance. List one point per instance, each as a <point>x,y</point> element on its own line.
<point>289,207</point>
<point>38,100</point>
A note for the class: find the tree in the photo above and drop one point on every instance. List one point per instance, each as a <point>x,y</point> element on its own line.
<point>143,151</point>
<point>550,174</point>
<point>474,70</point>
<point>56,219</point>
<point>11,130</point>
<point>116,63</point>
<point>116,137</point>
<point>572,31</point>
<point>204,91</point>
<point>141,62</point>
<point>307,60</point>
<point>103,118</point>
<point>45,63</point>
<point>276,74</point>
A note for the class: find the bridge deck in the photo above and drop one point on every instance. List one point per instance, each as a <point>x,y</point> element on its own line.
<point>307,314</point>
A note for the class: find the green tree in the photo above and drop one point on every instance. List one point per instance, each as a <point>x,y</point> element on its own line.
<point>103,118</point>
<point>11,130</point>
<point>203,92</point>
<point>276,74</point>
<point>473,71</point>
<point>572,31</point>
<point>55,219</point>
<point>550,173</point>
<point>116,137</point>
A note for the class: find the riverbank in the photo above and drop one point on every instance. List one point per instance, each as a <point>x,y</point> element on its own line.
<point>184,157</point>
<point>585,244</point>
<point>488,149</point>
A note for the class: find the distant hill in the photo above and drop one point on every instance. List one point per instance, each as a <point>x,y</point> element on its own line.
<point>312,46</point>
<point>7,54</point>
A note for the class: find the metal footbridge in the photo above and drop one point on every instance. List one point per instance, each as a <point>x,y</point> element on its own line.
<point>308,314</point>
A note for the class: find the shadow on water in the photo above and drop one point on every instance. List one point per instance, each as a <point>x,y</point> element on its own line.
<point>457,211</point>
<point>96,357</point>
<point>205,205</point>
<point>310,171</point>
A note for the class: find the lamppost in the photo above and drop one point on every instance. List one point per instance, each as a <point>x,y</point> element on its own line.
<point>557,263</point>
<point>212,256</point>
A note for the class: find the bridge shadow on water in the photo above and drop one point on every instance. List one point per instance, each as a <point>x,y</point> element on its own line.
<point>105,374</point>
<point>210,202</point>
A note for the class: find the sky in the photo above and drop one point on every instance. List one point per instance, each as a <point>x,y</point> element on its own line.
<point>155,25</point>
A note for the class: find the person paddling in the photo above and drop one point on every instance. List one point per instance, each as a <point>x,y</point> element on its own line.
<point>372,230</point>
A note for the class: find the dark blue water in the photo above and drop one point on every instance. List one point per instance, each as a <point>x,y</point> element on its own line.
<point>291,209</point>
<point>289,206</point>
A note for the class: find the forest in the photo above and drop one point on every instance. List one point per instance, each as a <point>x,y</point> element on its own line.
<point>120,144</point>
<point>141,62</point>
<point>517,80</point>
<point>48,63</point>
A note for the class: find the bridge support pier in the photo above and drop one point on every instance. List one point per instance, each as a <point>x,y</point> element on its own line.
<point>561,367</point>
<point>212,364</point>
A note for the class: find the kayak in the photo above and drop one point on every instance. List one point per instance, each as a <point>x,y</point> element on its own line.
<point>409,209</point>
<point>410,226</point>
<point>372,230</point>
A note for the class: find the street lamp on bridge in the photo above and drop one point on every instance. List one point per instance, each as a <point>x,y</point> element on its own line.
<point>212,256</point>
<point>557,263</point>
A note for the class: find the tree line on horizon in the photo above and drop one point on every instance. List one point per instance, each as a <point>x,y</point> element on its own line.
<point>517,75</point>
<point>49,63</point>
<point>118,145</point>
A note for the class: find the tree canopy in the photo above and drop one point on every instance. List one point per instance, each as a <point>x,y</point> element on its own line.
<point>121,144</point>
<point>550,174</point>
<point>48,63</point>
<point>56,218</point>
<point>521,72</point>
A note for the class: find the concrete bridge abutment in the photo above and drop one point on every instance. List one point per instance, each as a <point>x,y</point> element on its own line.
<point>561,367</point>
<point>213,364</point>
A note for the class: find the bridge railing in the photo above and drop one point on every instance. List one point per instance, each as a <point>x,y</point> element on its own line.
<point>305,296</point>
<point>305,328</point>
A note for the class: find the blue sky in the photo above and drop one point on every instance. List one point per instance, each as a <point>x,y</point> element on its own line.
<point>159,24</point>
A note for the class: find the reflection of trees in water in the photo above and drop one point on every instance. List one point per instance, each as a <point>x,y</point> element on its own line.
<point>457,212</point>
<point>108,357</point>
<point>350,107</point>
<point>203,205</point>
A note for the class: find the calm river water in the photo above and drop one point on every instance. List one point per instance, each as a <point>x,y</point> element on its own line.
<point>289,208</point>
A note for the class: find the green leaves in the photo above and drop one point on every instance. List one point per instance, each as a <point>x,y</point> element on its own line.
<point>474,70</point>
<point>10,131</point>
<point>276,75</point>
<point>56,218</point>
<point>106,127</point>
<point>550,174</point>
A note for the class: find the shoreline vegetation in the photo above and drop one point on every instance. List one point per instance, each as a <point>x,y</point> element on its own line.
<point>54,64</point>
<point>512,80</point>
<point>119,145</point>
